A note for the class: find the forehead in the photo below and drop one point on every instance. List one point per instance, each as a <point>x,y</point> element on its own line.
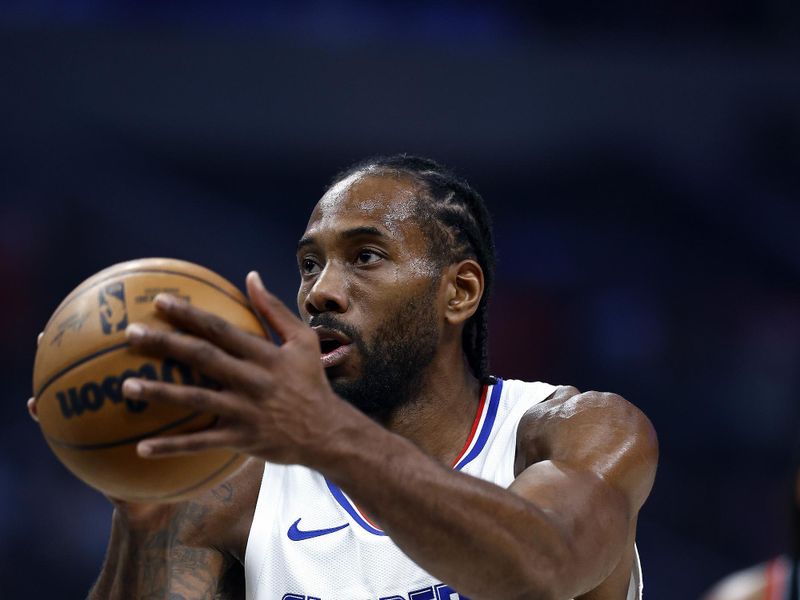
<point>385,200</point>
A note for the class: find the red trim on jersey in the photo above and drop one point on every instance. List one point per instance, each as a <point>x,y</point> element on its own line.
<point>474,427</point>
<point>366,518</point>
<point>461,454</point>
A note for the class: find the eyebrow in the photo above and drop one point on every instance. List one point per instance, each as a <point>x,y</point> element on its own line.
<point>364,230</point>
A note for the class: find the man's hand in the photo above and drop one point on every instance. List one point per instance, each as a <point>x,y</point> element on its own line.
<point>274,402</point>
<point>31,404</point>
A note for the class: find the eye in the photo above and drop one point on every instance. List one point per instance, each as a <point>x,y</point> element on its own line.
<point>367,257</point>
<point>308,266</point>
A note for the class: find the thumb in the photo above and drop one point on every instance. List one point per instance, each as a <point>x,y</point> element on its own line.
<point>277,315</point>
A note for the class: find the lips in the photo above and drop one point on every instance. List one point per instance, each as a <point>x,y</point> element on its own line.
<point>334,345</point>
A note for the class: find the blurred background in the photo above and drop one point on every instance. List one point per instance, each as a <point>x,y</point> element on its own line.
<point>641,161</point>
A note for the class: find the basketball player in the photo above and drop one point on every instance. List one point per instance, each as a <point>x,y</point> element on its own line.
<point>387,463</point>
<point>778,579</point>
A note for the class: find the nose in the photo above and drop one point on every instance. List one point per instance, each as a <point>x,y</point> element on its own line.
<point>329,292</point>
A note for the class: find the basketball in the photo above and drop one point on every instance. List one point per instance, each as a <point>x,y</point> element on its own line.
<point>83,358</point>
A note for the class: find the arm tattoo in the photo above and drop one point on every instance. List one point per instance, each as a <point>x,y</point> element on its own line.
<point>170,569</point>
<point>223,493</point>
<point>168,563</point>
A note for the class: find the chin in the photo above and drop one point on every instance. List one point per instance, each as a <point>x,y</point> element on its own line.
<point>341,384</point>
<point>339,377</point>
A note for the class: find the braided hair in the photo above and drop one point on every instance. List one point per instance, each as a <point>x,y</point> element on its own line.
<point>455,219</point>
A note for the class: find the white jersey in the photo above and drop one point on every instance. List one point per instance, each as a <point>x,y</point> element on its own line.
<point>309,541</point>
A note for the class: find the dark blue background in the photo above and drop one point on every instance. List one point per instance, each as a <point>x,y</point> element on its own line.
<point>642,163</point>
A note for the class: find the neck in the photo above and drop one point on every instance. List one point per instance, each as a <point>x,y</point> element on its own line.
<point>440,418</point>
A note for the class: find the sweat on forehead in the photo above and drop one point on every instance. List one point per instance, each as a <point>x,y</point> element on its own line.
<point>391,196</point>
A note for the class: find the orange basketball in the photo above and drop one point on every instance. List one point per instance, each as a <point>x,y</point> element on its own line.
<point>83,358</point>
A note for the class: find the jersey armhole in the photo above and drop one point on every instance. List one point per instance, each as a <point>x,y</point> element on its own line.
<point>521,408</point>
<point>255,549</point>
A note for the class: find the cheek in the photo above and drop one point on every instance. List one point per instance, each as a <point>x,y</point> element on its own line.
<point>379,312</point>
<point>302,294</point>
<point>424,270</point>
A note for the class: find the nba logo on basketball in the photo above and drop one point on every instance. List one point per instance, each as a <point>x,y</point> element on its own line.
<point>113,311</point>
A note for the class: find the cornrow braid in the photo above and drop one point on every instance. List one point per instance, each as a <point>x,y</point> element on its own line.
<point>456,220</point>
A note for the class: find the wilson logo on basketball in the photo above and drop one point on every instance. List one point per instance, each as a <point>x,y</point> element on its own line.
<point>92,395</point>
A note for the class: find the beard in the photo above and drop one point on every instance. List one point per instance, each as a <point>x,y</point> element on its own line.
<point>393,366</point>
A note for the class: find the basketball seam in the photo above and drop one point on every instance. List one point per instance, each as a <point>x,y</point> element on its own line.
<point>78,293</point>
<point>69,300</point>
<point>194,486</point>
<point>75,364</point>
<point>128,440</point>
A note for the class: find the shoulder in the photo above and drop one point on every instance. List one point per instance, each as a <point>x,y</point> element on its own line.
<point>552,422</point>
<point>221,517</point>
<point>597,431</point>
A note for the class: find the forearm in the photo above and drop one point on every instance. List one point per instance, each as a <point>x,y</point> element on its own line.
<point>152,562</point>
<point>118,575</point>
<point>482,540</point>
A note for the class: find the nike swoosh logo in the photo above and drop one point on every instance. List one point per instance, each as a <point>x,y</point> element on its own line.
<point>296,535</point>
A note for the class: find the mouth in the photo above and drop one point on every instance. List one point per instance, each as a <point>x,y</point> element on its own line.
<point>334,347</point>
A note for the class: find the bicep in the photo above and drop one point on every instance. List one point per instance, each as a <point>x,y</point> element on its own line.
<point>590,466</point>
<point>596,438</point>
<point>593,518</point>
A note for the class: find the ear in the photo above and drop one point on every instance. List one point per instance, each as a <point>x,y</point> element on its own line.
<point>464,291</point>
